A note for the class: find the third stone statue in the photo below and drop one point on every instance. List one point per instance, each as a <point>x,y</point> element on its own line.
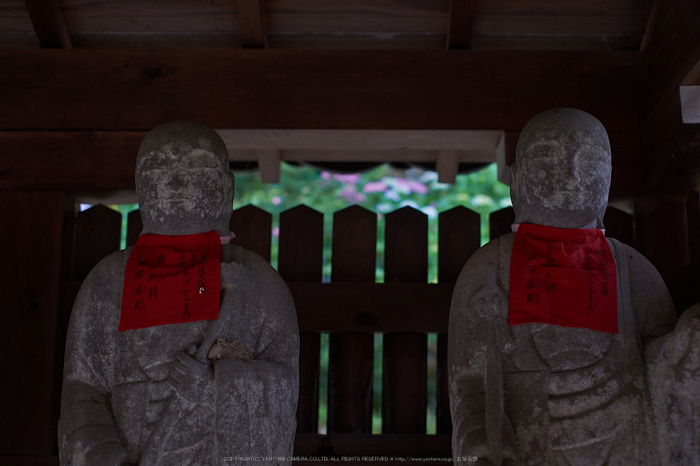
<point>563,344</point>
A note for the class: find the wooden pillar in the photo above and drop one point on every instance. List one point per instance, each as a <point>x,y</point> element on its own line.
<point>35,240</point>
<point>661,231</point>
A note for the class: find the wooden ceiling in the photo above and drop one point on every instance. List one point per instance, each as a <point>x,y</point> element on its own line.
<point>596,25</point>
<point>322,65</point>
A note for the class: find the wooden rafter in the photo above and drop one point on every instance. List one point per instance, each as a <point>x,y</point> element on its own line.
<point>461,22</point>
<point>658,13</point>
<point>251,17</point>
<point>48,24</point>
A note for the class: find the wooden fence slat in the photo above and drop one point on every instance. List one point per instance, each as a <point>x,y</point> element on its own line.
<point>352,354</point>
<point>253,229</point>
<point>619,225</point>
<point>459,236</point>
<point>98,233</point>
<point>500,222</point>
<point>134,226</point>
<point>301,259</point>
<point>404,392</point>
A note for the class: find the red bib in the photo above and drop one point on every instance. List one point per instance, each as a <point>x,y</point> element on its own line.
<point>563,277</point>
<point>171,280</point>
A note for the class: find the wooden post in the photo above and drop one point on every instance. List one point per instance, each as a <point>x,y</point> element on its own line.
<point>662,232</point>
<point>35,239</point>
<point>352,354</point>
<point>404,393</point>
<point>301,259</point>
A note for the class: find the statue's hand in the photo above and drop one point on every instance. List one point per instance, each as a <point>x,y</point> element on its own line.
<point>191,379</point>
<point>687,349</point>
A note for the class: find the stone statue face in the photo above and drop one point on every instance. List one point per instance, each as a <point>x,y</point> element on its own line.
<point>561,176</point>
<point>183,183</point>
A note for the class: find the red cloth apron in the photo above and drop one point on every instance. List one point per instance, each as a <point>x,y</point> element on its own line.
<point>171,279</point>
<point>563,277</point>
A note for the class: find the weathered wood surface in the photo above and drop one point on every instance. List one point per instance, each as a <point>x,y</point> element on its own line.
<point>35,247</point>
<point>461,24</point>
<point>459,236</point>
<point>136,89</point>
<point>301,258</point>
<point>48,24</point>
<point>253,229</point>
<point>404,390</point>
<point>251,19</point>
<point>351,355</point>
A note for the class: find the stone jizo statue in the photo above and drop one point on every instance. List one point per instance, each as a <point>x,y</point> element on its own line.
<point>203,391</point>
<point>625,390</point>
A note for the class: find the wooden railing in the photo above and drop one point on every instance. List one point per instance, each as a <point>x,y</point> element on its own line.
<point>352,308</point>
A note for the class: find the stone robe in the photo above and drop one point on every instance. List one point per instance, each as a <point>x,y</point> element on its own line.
<point>118,404</point>
<point>544,394</point>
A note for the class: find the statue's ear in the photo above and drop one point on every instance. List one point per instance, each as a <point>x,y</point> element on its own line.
<point>514,189</point>
<point>231,188</point>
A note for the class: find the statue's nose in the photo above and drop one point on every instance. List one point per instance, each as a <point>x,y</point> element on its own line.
<point>573,168</point>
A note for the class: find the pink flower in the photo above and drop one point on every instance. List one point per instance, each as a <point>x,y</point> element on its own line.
<point>276,200</point>
<point>347,179</point>
<point>352,196</point>
<point>375,187</point>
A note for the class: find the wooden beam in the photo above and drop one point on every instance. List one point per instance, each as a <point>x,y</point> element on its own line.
<point>672,54</point>
<point>459,35</point>
<point>48,24</point>
<point>447,166</point>
<point>251,18</point>
<point>103,161</point>
<point>348,89</point>
<point>269,163</point>
<point>372,307</point>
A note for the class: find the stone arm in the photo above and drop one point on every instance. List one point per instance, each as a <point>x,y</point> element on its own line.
<point>256,399</point>
<point>87,432</point>
<point>478,329</point>
<point>672,359</point>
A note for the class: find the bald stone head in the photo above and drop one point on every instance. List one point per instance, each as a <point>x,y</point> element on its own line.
<point>183,182</point>
<point>561,176</point>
